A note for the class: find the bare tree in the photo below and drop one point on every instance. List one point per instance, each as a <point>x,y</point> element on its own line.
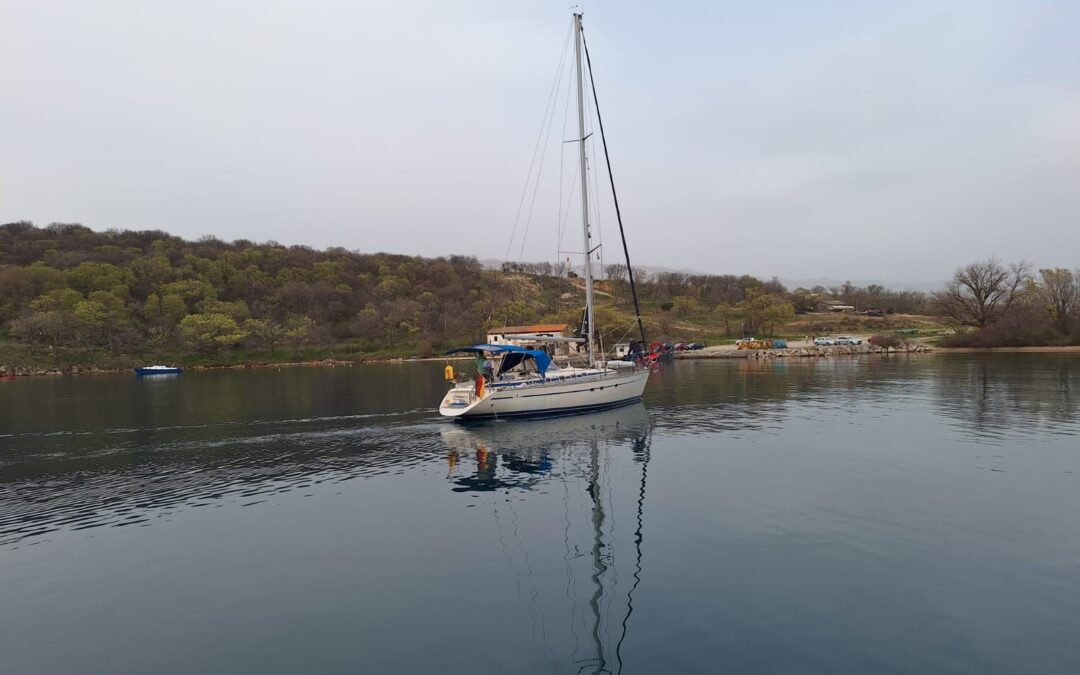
<point>886,341</point>
<point>982,292</point>
<point>1059,293</point>
<point>615,272</point>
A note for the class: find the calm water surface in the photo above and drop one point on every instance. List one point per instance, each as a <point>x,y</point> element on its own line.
<point>872,515</point>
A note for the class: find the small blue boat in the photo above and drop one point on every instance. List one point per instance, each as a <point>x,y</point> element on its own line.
<point>157,370</point>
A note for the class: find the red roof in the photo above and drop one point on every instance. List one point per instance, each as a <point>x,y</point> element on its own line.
<point>535,328</point>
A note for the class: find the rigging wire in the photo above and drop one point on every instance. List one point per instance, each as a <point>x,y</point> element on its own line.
<point>596,188</point>
<point>571,580</point>
<point>559,220</point>
<point>539,137</point>
<point>550,119</point>
<point>569,205</point>
<point>546,121</point>
<point>629,326</point>
<point>534,606</point>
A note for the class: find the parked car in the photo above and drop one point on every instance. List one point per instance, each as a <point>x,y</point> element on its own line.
<point>848,340</point>
<point>824,341</point>
<point>695,345</point>
<point>680,346</point>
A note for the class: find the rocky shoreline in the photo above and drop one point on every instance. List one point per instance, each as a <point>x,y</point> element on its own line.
<point>724,352</point>
<point>31,371</point>
<point>802,352</point>
<point>27,371</point>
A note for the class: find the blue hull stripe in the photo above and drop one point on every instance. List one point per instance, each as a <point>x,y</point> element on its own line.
<point>551,413</point>
<point>554,393</point>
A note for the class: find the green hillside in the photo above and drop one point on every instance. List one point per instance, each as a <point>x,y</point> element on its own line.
<point>73,296</point>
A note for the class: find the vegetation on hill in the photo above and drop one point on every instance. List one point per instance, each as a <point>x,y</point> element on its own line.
<point>70,295</point>
<point>73,296</point>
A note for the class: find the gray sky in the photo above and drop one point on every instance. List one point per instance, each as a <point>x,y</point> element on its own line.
<point>849,139</point>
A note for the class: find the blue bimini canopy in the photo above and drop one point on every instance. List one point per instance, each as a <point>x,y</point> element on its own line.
<point>512,355</point>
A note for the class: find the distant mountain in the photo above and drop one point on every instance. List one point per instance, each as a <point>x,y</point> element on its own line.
<point>828,282</point>
<point>791,284</point>
<point>493,264</point>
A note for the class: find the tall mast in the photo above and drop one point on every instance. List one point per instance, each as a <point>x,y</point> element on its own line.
<point>584,187</point>
<point>614,194</point>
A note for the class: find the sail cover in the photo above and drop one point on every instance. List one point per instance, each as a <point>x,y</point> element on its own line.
<point>512,355</point>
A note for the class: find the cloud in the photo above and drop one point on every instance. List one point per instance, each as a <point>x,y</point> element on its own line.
<point>843,139</point>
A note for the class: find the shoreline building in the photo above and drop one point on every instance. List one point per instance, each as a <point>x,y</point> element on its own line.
<point>553,338</point>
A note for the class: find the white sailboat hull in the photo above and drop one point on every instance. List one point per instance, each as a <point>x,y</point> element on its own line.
<point>606,389</point>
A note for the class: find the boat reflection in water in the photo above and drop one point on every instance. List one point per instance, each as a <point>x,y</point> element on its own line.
<point>570,533</point>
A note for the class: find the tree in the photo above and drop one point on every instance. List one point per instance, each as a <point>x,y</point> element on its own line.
<point>264,333</point>
<point>401,317</point>
<point>95,276</point>
<point>609,324</point>
<point>149,273</point>
<point>685,305</point>
<point>803,300</point>
<point>190,291</point>
<point>670,284</point>
<point>874,293</point>
<point>774,287</point>
<point>776,315</point>
<point>615,272</point>
<point>848,294</point>
<point>885,341</point>
<point>1058,292</point>
<point>207,332</point>
<point>753,311</point>
<point>367,324</point>
<point>299,331</point>
<point>91,319</point>
<point>101,318</point>
<point>237,309</point>
<point>981,292</point>
<point>52,327</point>
<point>764,312</point>
<point>724,311</point>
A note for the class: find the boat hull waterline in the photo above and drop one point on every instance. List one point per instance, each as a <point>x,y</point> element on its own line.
<point>157,370</point>
<point>566,396</point>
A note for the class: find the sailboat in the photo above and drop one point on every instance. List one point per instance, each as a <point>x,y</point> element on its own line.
<point>515,381</point>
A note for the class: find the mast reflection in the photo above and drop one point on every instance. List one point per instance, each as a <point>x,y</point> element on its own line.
<point>579,452</point>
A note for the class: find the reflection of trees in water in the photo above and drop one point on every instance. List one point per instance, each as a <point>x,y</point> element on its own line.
<point>577,452</point>
<point>993,395</point>
<point>988,395</point>
<point>749,394</point>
